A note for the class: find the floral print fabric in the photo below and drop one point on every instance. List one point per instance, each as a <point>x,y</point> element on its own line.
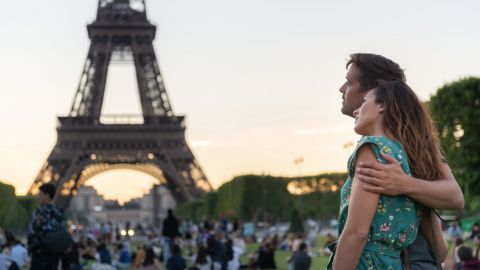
<point>395,224</point>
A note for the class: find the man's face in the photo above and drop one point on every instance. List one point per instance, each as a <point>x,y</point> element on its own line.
<point>351,92</point>
<point>43,198</point>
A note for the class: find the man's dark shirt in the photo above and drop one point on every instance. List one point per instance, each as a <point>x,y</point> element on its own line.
<point>266,259</point>
<point>420,254</point>
<point>170,227</point>
<point>45,219</point>
<point>301,261</point>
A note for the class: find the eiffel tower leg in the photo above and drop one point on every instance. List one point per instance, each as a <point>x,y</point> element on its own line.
<point>198,177</point>
<point>67,186</point>
<point>175,182</point>
<point>153,96</point>
<point>63,175</point>
<point>89,97</point>
<point>44,176</point>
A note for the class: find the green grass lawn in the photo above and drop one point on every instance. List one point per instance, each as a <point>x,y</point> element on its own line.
<point>318,262</point>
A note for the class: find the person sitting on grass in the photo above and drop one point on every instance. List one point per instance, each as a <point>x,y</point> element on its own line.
<point>124,257</point>
<point>176,261</point>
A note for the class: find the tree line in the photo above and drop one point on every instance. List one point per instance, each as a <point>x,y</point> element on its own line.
<point>270,198</point>
<point>15,211</point>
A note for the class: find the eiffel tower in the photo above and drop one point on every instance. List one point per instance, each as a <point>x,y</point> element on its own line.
<point>89,143</point>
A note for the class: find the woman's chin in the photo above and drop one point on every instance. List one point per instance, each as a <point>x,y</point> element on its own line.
<point>360,131</point>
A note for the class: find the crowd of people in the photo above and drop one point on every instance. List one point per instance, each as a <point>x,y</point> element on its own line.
<point>462,256</point>
<point>212,245</point>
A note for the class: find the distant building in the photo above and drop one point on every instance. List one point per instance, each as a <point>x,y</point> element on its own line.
<point>90,207</point>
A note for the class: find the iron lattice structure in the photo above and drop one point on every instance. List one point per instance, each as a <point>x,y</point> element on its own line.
<point>89,144</point>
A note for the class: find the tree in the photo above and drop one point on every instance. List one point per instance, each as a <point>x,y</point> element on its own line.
<point>296,224</point>
<point>456,109</point>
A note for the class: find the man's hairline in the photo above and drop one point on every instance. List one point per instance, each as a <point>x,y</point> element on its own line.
<point>358,70</point>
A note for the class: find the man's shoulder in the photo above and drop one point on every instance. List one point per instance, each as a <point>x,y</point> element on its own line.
<point>49,208</point>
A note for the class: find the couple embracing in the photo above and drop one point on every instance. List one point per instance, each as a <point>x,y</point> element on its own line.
<point>396,175</point>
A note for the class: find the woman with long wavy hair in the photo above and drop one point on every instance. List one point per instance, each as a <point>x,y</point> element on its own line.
<point>373,229</point>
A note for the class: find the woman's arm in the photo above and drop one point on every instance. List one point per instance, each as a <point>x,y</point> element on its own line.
<point>362,209</point>
<point>390,179</point>
<point>431,226</point>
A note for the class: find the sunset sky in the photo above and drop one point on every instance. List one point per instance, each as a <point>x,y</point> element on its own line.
<point>257,80</point>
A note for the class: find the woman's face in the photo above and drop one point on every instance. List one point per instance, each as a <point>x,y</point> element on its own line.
<point>369,117</point>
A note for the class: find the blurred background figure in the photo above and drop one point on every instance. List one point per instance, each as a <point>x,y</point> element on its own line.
<point>468,261</point>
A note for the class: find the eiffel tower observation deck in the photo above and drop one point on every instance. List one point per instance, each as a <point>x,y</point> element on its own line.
<point>154,142</point>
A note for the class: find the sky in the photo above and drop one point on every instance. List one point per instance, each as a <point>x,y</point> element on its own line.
<point>257,80</point>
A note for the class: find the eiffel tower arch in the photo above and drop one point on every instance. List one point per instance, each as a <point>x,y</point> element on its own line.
<point>154,142</point>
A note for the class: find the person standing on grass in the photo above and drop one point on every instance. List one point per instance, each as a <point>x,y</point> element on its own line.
<point>170,231</point>
<point>301,259</point>
<point>47,218</point>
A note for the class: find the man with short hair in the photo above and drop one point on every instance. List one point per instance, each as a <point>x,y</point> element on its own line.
<point>301,259</point>
<point>390,179</point>
<point>47,218</point>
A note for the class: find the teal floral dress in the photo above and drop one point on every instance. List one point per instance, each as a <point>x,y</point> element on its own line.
<point>395,224</point>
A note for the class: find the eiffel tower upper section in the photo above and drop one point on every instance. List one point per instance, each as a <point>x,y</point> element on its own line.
<point>121,32</point>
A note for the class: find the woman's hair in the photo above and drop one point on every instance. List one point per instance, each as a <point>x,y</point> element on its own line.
<point>201,256</point>
<point>409,121</point>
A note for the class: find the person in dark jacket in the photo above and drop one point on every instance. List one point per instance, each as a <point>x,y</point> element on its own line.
<point>266,256</point>
<point>301,260</point>
<point>169,231</point>
<point>46,218</point>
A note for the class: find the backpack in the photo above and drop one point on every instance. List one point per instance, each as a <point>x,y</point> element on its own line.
<point>57,242</point>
